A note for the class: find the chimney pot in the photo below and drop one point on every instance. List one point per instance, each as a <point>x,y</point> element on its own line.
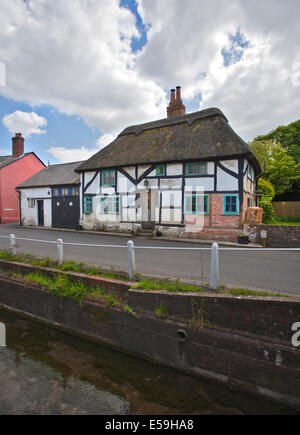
<point>176,106</point>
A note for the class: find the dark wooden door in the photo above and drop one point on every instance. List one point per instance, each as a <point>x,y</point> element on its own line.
<point>65,211</point>
<point>40,210</point>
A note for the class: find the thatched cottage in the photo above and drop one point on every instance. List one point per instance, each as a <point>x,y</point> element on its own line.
<point>186,175</point>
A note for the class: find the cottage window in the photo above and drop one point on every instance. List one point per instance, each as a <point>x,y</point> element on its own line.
<point>231,204</point>
<point>88,204</point>
<point>108,177</point>
<point>160,170</point>
<point>110,205</point>
<point>196,168</point>
<point>196,204</point>
<point>31,202</point>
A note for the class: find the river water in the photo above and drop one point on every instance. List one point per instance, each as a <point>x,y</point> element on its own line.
<point>46,371</point>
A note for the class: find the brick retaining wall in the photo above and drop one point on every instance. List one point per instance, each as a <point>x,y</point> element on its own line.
<point>278,236</point>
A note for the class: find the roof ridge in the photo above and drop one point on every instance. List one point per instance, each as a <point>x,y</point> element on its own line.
<point>189,118</point>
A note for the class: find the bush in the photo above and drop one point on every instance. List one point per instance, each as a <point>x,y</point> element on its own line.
<point>268,211</point>
<point>265,201</point>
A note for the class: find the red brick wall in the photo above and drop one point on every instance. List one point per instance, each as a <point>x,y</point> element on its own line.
<point>218,217</point>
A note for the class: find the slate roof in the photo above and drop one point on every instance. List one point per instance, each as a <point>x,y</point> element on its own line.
<point>7,160</point>
<point>200,135</point>
<point>54,175</point>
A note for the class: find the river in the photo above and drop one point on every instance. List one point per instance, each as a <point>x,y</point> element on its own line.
<point>46,371</point>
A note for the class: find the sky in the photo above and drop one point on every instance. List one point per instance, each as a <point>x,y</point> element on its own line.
<point>75,73</point>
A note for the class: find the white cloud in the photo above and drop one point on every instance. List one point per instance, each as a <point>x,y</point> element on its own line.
<point>65,155</point>
<point>104,140</point>
<point>76,56</point>
<point>187,38</point>
<point>27,123</point>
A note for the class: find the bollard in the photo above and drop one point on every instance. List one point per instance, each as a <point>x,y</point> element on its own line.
<point>12,244</point>
<point>2,335</point>
<point>60,251</point>
<point>131,259</point>
<point>214,267</point>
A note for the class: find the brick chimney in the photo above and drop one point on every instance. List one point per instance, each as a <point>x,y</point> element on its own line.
<point>17,145</point>
<point>176,106</point>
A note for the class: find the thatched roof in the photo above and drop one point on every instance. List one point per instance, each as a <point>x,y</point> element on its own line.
<point>201,135</point>
<point>54,175</point>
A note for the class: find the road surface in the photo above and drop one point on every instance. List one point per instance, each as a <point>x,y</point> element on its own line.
<point>274,271</point>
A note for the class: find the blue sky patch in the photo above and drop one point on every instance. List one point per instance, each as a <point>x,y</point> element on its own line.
<point>235,49</point>
<point>136,43</point>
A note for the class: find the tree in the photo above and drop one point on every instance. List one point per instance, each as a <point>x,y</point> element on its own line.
<point>288,136</point>
<point>278,166</point>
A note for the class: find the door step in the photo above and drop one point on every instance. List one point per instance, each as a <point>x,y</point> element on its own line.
<point>148,234</point>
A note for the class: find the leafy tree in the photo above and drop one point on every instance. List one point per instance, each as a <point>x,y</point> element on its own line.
<point>288,136</point>
<point>278,166</point>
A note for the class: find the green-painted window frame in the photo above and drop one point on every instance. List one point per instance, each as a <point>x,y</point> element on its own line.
<point>231,213</point>
<point>112,203</point>
<point>88,205</point>
<point>197,198</point>
<point>163,173</point>
<point>188,166</point>
<point>105,171</point>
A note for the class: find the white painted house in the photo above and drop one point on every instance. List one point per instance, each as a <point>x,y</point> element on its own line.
<point>186,175</point>
<point>50,198</point>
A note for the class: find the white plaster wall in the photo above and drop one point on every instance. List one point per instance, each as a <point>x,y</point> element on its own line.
<point>142,169</point>
<point>171,198</point>
<point>233,165</point>
<point>152,184</point>
<point>130,170</point>
<point>210,168</point>
<point>226,182</point>
<point>199,184</point>
<point>124,185</point>
<point>29,215</point>
<point>171,183</point>
<point>174,169</point>
<point>94,188</point>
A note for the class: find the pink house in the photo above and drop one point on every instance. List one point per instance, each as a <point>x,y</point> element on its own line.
<point>15,169</point>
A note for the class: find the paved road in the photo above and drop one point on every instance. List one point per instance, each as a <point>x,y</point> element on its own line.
<point>275,271</point>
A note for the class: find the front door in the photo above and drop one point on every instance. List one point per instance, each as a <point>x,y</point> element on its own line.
<point>40,211</point>
<point>148,221</point>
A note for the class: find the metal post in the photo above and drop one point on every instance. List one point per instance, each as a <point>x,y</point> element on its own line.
<point>12,244</point>
<point>2,335</point>
<point>214,267</point>
<point>131,259</point>
<point>60,251</point>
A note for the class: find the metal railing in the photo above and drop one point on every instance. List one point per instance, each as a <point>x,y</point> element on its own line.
<point>131,248</point>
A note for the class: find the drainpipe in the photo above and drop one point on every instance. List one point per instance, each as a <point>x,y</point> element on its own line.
<point>20,212</point>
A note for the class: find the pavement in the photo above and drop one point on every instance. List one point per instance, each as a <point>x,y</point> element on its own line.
<point>169,239</point>
<point>275,271</point>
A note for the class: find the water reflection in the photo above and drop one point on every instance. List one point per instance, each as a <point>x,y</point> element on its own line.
<point>43,370</point>
<point>30,387</point>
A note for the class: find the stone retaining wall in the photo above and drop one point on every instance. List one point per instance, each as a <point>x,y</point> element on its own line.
<point>278,236</point>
